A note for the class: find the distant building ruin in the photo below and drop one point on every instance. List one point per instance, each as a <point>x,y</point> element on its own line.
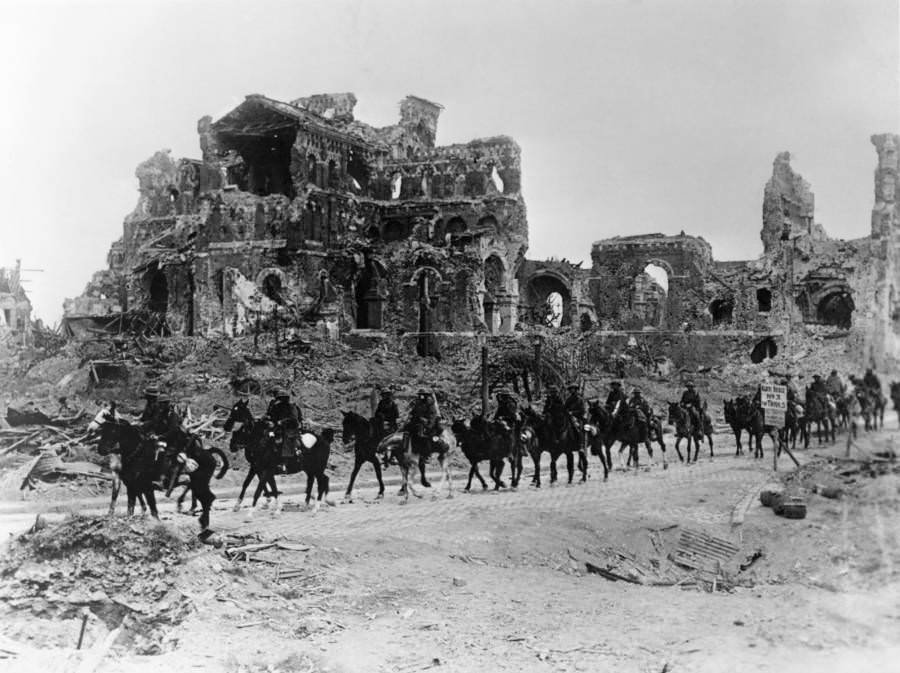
<point>15,307</point>
<point>299,214</point>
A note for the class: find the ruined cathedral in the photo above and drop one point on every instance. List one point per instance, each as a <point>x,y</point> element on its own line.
<point>297,214</point>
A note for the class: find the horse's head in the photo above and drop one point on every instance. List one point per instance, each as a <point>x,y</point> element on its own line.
<point>350,425</point>
<point>458,427</point>
<point>675,411</point>
<point>239,416</point>
<point>108,424</point>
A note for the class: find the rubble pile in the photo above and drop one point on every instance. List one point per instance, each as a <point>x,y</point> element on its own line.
<point>122,572</point>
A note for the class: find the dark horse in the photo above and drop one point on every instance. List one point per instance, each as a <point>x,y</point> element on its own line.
<point>556,433</point>
<point>738,422</point>
<point>493,441</point>
<point>133,459</point>
<point>365,437</point>
<point>138,460</point>
<point>259,439</point>
<point>819,411</point>
<point>627,428</point>
<point>686,427</point>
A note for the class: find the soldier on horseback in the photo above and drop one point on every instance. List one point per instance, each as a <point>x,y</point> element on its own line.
<point>386,414</point>
<point>835,386</point>
<point>151,399</point>
<point>690,400</point>
<point>616,398</point>
<point>791,385</point>
<point>640,408</point>
<point>424,422</point>
<point>817,387</point>
<point>577,409</point>
<point>287,417</point>
<point>507,409</point>
<point>552,400</point>
<point>872,383</point>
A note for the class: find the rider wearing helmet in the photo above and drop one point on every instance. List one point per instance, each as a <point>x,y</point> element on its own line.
<point>616,397</point>
<point>386,413</point>
<point>288,418</point>
<point>424,421</point>
<point>507,408</point>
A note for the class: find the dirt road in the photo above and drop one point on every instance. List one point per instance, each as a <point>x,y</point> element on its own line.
<point>486,581</point>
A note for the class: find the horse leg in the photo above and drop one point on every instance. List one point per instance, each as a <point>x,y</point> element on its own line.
<point>536,459</point>
<point>116,485</point>
<point>151,503</point>
<point>445,475</point>
<point>709,439</point>
<point>553,474</point>
<point>251,472</point>
<point>357,463</point>
<point>583,464</point>
<point>310,478</point>
<point>471,476</point>
<point>377,466</point>
<point>570,465</point>
<point>425,482</point>
<point>132,497</point>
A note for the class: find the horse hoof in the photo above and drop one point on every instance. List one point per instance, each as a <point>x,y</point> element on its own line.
<point>665,466</point>
<point>449,496</point>
<point>380,495</point>
<point>426,483</point>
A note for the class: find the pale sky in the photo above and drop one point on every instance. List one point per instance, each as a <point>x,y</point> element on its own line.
<point>633,116</point>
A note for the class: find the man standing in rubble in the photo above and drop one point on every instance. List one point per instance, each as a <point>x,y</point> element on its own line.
<point>288,418</point>
<point>792,391</point>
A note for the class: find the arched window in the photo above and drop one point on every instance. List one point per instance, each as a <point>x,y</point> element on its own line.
<point>271,287</point>
<point>836,309</point>
<point>394,231</point>
<point>763,300</point>
<point>396,183</point>
<point>722,311</point>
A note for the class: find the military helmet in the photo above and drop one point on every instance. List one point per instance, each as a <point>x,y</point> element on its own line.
<point>386,392</point>
<point>552,389</point>
<point>689,384</point>
<point>816,377</point>
<point>279,393</point>
<point>151,392</point>
<point>616,384</point>
<point>424,391</point>
<point>162,398</point>
<point>636,392</point>
<point>572,385</point>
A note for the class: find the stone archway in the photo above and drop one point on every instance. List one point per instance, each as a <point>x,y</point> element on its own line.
<point>273,283</point>
<point>495,287</point>
<point>836,308</point>
<point>548,300</point>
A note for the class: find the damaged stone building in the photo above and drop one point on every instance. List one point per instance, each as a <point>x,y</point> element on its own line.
<point>298,214</point>
<point>15,307</point>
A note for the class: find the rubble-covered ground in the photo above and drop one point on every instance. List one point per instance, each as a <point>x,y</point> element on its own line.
<point>566,578</point>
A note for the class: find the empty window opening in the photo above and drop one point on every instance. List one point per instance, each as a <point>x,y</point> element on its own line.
<point>763,350</point>
<point>312,169</point>
<point>369,303</point>
<point>272,288</point>
<point>396,182</point>
<point>159,293</point>
<point>394,231</point>
<point>496,179</point>
<point>373,234</point>
<point>836,309</point>
<point>358,170</point>
<point>763,300</point>
<point>456,226</point>
<point>261,160</point>
<point>722,311</point>
<point>649,296</point>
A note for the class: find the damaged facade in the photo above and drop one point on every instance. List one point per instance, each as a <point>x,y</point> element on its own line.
<point>15,308</point>
<point>296,214</point>
<point>299,213</point>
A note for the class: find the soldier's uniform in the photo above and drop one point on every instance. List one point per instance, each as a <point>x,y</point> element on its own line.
<point>690,399</point>
<point>638,403</point>
<point>552,400</point>
<point>575,404</point>
<point>387,414</point>
<point>151,401</point>
<point>817,387</point>
<point>616,396</point>
<point>507,409</point>
<point>288,418</point>
<point>424,423</point>
<point>835,386</point>
<point>871,381</point>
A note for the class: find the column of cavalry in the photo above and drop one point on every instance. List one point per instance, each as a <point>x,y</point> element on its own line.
<point>155,452</point>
